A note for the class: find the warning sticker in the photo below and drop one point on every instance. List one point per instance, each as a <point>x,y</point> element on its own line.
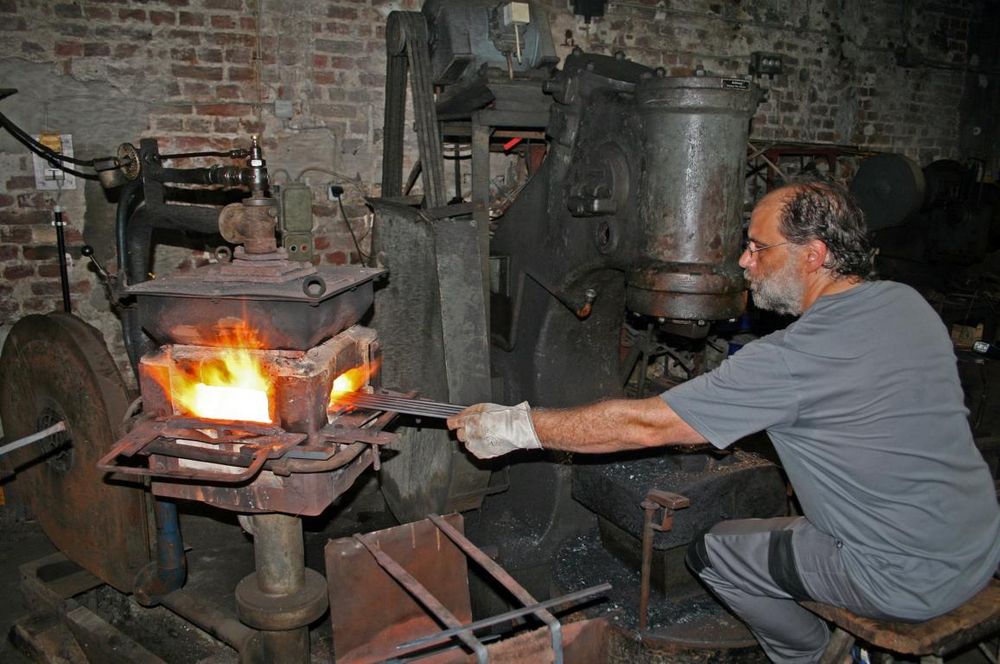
<point>735,84</point>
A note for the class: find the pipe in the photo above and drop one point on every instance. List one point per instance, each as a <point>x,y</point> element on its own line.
<point>169,571</point>
<point>210,618</point>
<point>61,248</point>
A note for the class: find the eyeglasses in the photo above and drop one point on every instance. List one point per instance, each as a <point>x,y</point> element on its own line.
<point>753,247</point>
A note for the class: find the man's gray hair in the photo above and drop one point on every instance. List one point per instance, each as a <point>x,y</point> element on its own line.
<point>826,211</point>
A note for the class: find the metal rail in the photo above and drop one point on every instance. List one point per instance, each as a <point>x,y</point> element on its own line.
<point>399,404</point>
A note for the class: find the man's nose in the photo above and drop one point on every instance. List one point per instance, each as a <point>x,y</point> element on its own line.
<point>745,258</point>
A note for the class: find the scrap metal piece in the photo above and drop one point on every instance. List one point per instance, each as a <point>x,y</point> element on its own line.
<point>56,368</point>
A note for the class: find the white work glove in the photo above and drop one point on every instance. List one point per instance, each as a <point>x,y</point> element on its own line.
<point>489,430</point>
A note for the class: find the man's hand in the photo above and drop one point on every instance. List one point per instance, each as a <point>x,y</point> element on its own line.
<point>489,430</point>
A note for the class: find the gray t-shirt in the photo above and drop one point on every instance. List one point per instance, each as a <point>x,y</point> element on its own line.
<point>862,401</point>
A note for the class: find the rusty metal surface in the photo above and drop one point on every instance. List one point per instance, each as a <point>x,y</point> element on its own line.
<point>194,306</point>
<point>306,494</point>
<point>506,580</point>
<point>55,367</point>
<point>425,597</point>
<point>235,457</point>
<point>302,380</point>
<point>655,500</point>
<point>360,589</point>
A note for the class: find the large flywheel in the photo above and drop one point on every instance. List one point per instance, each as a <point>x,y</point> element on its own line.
<point>56,368</point>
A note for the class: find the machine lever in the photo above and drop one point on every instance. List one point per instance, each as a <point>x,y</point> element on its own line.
<point>88,252</point>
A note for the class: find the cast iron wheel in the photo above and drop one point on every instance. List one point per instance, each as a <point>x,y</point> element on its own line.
<point>56,367</point>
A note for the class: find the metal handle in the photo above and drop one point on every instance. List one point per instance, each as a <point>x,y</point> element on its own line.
<point>107,464</point>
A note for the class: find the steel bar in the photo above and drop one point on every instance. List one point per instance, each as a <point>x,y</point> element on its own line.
<point>423,595</point>
<point>403,405</point>
<point>441,637</point>
<point>505,579</point>
<point>28,440</point>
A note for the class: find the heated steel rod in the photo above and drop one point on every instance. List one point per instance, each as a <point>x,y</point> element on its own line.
<point>404,405</point>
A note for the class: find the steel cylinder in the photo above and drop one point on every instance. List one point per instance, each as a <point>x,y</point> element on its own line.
<point>691,197</point>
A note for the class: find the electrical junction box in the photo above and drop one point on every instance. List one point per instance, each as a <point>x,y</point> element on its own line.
<point>517,12</point>
<point>47,176</point>
<point>297,221</point>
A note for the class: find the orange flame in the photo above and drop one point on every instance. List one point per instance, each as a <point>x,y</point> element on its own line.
<point>350,381</point>
<point>232,385</point>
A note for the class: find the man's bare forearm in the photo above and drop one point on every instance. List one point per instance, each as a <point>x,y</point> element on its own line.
<point>612,426</point>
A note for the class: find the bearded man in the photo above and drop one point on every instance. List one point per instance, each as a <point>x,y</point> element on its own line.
<point>860,397</point>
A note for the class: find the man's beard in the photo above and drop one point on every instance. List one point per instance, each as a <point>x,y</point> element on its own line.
<point>780,292</point>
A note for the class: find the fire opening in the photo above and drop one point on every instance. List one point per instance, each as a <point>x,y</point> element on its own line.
<point>232,384</point>
<point>351,381</point>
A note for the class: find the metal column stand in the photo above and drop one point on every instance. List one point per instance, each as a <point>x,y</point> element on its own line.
<point>282,597</point>
<point>455,628</point>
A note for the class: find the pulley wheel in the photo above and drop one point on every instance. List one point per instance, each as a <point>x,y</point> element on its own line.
<point>56,368</point>
<point>889,188</point>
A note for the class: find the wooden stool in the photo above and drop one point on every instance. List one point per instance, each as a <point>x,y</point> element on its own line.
<point>971,623</point>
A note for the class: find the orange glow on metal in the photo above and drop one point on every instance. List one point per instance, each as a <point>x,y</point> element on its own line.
<point>232,385</point>
<point>350,381</point>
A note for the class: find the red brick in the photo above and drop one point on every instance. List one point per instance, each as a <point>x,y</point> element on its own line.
<point>186,54</point>
<point>37,305</point>
<point>6,201</point>
<point>98,13</point>
<point>35,200</point>
<point>67,11</point>
<point>68,49</point>
<point>26,217</point>
<point>19,272</point>
<point>226,126</point>
<point>229,91</point>
<point>96,50</point>
<point>15,234</point>
<point>344,13</point>
<point>9,252</point>
<point>49,270</point>
<point>188,36</point>
<point>31,48</point>
<point>138,15</point>
<point>40,253</point>
<point>233,5</point>
<point>240,74</point>
<point>190,19</point>
<point>123,51</point>
<point>248,23</point>
<point>210,55</point>
<point>195,71</point>
<point>223,22</point>
<point>162,18</point>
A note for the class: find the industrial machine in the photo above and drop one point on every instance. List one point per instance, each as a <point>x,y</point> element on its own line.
<point>607,267</point>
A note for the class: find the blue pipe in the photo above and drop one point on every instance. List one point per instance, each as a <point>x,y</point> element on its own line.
<point>169,571</point>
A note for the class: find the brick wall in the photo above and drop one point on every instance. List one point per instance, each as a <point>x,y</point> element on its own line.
<point>203,74</point>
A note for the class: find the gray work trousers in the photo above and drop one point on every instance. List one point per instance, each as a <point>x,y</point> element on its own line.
<point>760,567</point>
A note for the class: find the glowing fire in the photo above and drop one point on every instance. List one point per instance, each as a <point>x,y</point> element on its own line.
<point>350,381</point>
<point>233,385</point>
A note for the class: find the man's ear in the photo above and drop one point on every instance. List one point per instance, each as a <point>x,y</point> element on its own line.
<point>816,253</point>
